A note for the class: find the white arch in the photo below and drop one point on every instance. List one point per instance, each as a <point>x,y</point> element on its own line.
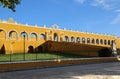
<point>55,37</point>
<point>13,31</point>
<point>25,33</point>
<point>78,39</point>
<point>35,34</point>
<point>72,39</point>
<point>5,32</point>
<point>43,36</point>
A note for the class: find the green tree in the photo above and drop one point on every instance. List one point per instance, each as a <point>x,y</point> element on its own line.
<point>10,4</point>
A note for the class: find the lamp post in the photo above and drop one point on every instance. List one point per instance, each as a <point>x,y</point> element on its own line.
<point>24,46</point>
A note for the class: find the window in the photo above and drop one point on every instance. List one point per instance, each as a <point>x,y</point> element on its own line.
<point>55,37</point>
<point>72,39</point>
<point>13,35</point>
<point>24,34</point>
<point>105,42</point>
<point>78,40</point>
<point>66,39</point>
<point>88,40</point>
<point>97,41</point>
<point>93,41</point>
<point>112,42</point>
<point>101,41</point>
<point>33,36</point>
<point>83,40</point>
<point>43,36</point>
<point>108,42</point>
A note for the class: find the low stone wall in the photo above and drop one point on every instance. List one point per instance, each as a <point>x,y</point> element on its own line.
<point>8,66</point>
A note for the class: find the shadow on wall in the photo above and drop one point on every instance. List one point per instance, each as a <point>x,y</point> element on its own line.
<point>105,52</point>
<point>2,51</point>
<point>72,48</point>
<point>30,49</point>
<point>38,49</point>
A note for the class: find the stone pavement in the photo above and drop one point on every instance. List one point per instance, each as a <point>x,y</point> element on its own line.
<point>109,70</point>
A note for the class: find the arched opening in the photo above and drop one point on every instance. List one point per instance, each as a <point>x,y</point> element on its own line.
<point>43,36</point>
<point>112,42</point>
<point>66,39</point>
<point>101,41</point>
<point>78,40</point>
<point>72,39</point>
<point>105,42</point>
<point>2,34</point>
<point>83,40</point>
<point>33,36</point>
<point>88,40</point>
<point>13,35</point>
<point>30,49</point>
<point>24,34</point>
<point>2,50</point>
<point>93,41</point>
<point>108,42</point>
<point>97,41</point>
<point>55,37</point>
<point>40,49</point>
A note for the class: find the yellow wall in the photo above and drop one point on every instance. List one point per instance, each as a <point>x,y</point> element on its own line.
<point>14,42</point>
<point>38,64</point>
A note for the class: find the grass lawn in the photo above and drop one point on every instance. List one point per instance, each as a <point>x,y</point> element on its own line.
<point>37,56</point>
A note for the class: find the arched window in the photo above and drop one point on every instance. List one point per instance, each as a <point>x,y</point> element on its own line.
<point>72,39</point>
<point>108,42</point>
<point>55,37</point>
<point>93,41</point>
<point>97,41</point>
<point>24,35</point>
<point>30,49</point>
<point>101,41</point>
<point>2,34</point>
<point>33,37</point>
<point>42,36</point>
<point>88,40</point>
<point>112,42</point>
<point>83,40</point>
<point>78,40</point>
<point>105,42</point>
<point>66,39</point>
<point>13,35</point>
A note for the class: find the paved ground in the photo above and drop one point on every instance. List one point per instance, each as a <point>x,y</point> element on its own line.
<point>89,71</point>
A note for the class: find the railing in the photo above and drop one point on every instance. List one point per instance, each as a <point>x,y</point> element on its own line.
<point>36,56</point>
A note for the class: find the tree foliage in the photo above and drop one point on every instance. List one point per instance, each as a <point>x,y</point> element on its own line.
<point>10,4</point>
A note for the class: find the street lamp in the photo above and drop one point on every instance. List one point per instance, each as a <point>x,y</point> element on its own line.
<point>24,45</point>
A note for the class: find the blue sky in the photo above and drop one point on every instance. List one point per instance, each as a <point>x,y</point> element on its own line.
<point>97,16</point>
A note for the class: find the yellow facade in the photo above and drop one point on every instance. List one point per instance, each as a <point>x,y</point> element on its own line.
<point>19,38</point>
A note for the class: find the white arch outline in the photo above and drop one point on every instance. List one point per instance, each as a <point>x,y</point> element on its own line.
<point>17,38</point>
<point>34,33</point>
<point>5,32</point>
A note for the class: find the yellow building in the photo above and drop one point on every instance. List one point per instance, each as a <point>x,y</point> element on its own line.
<point>19,38</point>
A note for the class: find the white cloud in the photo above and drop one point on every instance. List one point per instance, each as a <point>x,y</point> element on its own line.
<point>107,4</point>
<point>101,3</point>
<point>117,10</point>
<point>116,20</point>
<point>112,5</point>
<point>80,1</point>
